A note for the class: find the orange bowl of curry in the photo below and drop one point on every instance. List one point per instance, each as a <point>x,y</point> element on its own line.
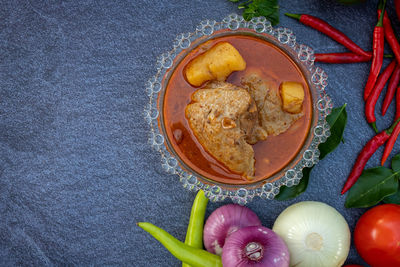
<point>228,106</point>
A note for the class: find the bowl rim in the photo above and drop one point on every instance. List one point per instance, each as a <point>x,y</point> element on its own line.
<point>301,55</point>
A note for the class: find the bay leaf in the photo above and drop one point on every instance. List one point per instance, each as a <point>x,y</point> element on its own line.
<point>396,163</point>
<point>286,192</point>
<point>394,198</point>
<point>371,187</point>
<point>337,121</point>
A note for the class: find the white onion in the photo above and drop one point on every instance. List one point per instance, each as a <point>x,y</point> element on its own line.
<point>315,233</point>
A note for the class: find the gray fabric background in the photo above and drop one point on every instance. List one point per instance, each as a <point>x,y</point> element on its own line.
<point>76,172</point>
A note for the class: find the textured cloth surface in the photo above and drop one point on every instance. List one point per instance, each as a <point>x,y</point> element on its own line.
<point>76,172</point>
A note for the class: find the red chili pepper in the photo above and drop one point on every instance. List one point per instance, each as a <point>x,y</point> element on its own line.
<point>362,159</point>
<point>377,58</point>
<point>374,96</point>
<point>390,35</point>
<point>396,131</point>
<point>398,103</point>
<point>390,143</point>
<point>341,58</point>
<point>325,28</point>
<point>365,154</point>
<point>393,82</point>
<point>397,7</point>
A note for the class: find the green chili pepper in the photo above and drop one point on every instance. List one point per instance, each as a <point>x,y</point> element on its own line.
<point>194,235</point>
<point>193,256</point>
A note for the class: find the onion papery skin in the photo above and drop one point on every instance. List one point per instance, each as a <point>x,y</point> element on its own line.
<point>223,222</point>
<point>315,233</point>
<point>275,251</point>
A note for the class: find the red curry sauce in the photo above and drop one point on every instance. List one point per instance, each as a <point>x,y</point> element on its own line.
<point>272,154</point>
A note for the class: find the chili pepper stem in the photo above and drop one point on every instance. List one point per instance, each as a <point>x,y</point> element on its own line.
<point>293,16</point>
<point>390,130</point>
<point>373,125</point>
<point>381,7</point>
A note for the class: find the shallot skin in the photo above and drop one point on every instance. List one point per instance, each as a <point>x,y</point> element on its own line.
<point>274,250</point>
<point>223,222</point>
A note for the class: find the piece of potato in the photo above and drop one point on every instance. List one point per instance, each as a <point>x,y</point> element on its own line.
<point>215,64</point>
<point>292,94</point>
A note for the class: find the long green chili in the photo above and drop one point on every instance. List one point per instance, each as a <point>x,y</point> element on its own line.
<point>193,256</point>
<point>194,234</point>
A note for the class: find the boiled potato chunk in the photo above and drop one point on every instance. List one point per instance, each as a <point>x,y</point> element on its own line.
<point>292,94</point>
<point>215,64</point>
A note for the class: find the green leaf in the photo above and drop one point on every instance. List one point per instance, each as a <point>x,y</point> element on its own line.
<point>286,192</point>
<point>394,199</point>
<point>372,186</point>
<point>260,8</point>
<point>396,163</point>
<point>337,121</point>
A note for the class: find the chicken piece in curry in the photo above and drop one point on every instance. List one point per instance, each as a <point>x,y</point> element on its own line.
<point>273,118</point>
<point>224,119</point>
